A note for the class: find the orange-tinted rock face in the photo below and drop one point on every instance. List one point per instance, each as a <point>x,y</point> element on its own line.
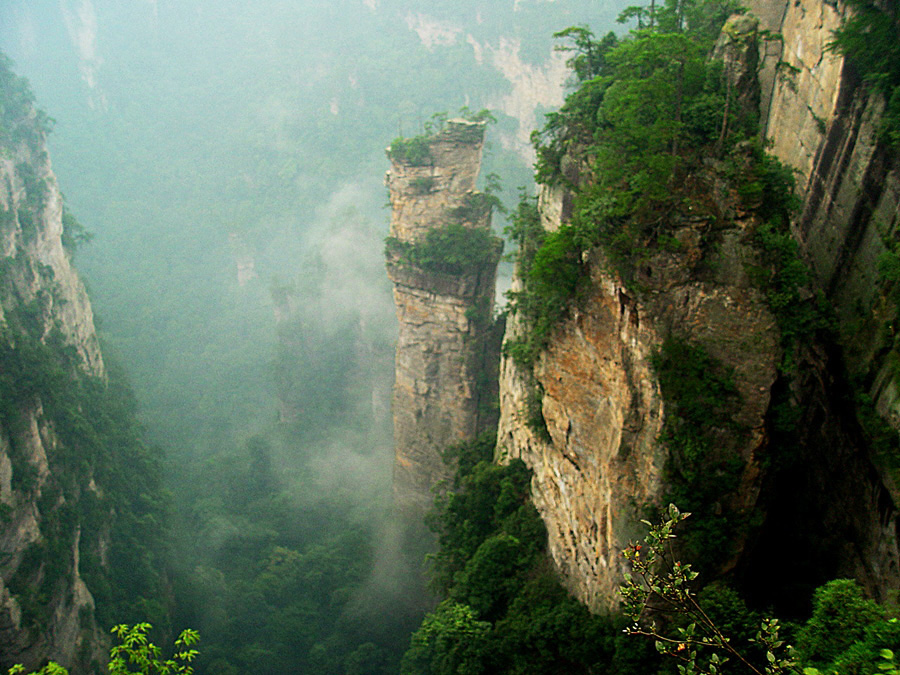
<point>436,401</point>
<point>601,462</point>
<point>820,494</point>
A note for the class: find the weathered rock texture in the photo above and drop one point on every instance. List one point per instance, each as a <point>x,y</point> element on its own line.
<point>443,333</point>
<point>39,286</point>
<point>602,462</point>
<point>823,122</point>
<point>826,511</point>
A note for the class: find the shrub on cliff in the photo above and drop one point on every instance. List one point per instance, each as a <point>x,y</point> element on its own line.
<point>870,39</point>
<point>136,655</point>
<point>450,249</point>
<point>638,133</point>
<point>413,151</point>
<point>21,121</point>
<point>711,631</point>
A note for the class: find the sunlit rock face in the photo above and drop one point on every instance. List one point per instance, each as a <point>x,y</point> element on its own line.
<point>38,285</point>
<point>440,347</point>
<point>600,462</point>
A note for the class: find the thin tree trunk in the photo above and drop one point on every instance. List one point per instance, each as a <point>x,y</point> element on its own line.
<point>720,144</point>
<point>679,97</point>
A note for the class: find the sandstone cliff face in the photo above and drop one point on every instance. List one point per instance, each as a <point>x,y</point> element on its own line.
<point>604,412</point>
<point>38,287</point>
<point>823,122</point>
<point>442,327</point>
<point>602,461</point>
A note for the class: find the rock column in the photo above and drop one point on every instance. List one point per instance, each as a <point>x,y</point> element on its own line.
<point>443,314</point>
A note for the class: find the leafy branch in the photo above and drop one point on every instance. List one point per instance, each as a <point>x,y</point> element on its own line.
<point>660,586</point>
<point>136,655</point>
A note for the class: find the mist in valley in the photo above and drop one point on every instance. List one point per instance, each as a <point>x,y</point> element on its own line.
<point>227,157</point>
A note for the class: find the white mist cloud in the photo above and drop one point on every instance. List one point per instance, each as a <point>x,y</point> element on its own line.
<point>81,24</point>
<point>348,242</point>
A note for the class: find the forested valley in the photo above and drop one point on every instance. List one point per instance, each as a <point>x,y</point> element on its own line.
<point>214,467</point>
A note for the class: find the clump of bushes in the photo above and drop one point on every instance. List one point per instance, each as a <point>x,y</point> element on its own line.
<point>414,151</point>
<point>503,608</point>
<point>870,39</point>
<point>701,470</point>
<point>450,249</point>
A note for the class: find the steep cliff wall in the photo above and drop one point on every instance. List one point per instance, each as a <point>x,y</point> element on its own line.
<point>443,306</point>
<point>606,455</point>
<point>823,121</point>
<point>42,303</point>
<point>601,462</point>
<point>56,467</point>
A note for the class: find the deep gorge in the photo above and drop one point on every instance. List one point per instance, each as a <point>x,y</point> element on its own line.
<point>702,312</point>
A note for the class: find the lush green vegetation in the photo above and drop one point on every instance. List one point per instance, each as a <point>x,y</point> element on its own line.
<point>414,151</point>
<point>136,654</point>
<point>553,277</point>
<point>74,234</point>
<point>652,141</point>
<point>870,39</point>
<point>122,520</point>
<point>503,609</point>
<point>21,121</point>
<point>220,122</point>
<point>454,249</point>
<point>104,481</point>
<point>281,583</point>
<point>477,206</point>
<point>650,109</point>
<point>712,631</point>
<point>702,467</point>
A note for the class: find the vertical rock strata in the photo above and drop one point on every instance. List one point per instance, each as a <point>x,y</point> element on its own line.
<point>823,122</point>
<point>42,298</point>
<point>443,314</point>
<point>601,461</point>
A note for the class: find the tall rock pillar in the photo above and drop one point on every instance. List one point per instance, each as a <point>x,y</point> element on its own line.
<point>442,260</point>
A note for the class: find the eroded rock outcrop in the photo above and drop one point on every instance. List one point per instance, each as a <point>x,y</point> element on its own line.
<point>601,462</point>
<point>46,609</point>
<point>602,459</point>
<point>823,121</point>
<point>443,306</point>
